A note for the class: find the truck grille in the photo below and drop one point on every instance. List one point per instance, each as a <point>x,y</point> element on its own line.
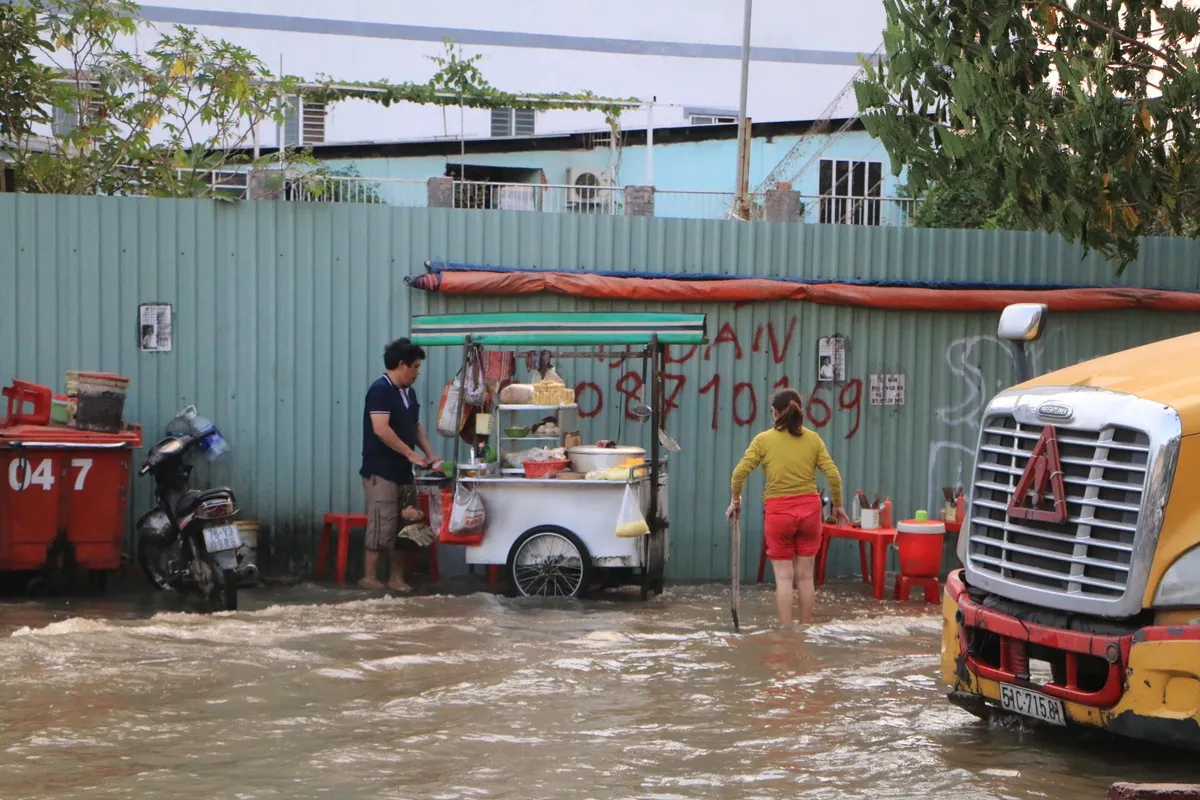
<point>1089,555</point>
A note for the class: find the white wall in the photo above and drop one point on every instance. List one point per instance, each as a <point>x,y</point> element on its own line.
<point>785,32</point>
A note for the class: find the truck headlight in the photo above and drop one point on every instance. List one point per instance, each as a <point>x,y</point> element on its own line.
<point>1180,586</point>
<point>961,548</point>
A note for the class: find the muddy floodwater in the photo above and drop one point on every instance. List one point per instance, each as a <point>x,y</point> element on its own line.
<point>313,692</point>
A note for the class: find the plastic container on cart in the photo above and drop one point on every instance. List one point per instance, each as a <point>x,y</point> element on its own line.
<point>544,469</point>
<point>100,405</point>
<point>64,497</point>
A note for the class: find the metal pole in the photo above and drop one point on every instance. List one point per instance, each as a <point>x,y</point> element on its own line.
<point>742,173</point>
<point>650,144</point>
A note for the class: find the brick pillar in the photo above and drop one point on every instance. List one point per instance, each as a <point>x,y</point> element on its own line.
<point>639,201</point>
<point>440,192</point>
<point>782,204</point>
<point>258,186</point>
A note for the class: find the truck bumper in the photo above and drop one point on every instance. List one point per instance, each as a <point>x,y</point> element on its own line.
<point>1145,685</point>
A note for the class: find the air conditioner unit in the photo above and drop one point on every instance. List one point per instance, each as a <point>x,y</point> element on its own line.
<point>585,186</point>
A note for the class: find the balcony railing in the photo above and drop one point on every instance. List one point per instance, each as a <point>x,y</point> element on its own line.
<point>563,199</point>
<point>559,199</point>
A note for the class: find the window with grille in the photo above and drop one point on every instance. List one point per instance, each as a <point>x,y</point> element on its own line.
<point>514,122</point>
<point>709,119</point>
<point>66,120</point>
<point>850,192</point>
<point>303,122</point>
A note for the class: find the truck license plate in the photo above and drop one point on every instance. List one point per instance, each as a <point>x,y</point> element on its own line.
<point>1032,704</point>
<point>222,537</point>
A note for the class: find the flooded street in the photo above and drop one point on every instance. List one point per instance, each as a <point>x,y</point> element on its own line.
<point>314,692</point>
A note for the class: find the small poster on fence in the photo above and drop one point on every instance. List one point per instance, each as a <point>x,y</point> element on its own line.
<point>887,389</point>
<point>831,359</point>
<point>154,327</point>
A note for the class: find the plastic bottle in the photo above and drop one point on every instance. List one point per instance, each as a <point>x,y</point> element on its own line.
<point>960,509</point>
<point>212,443</point>
<point>886,516</point>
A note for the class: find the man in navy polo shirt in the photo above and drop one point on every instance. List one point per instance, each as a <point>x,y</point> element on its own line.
<point>391,433</point>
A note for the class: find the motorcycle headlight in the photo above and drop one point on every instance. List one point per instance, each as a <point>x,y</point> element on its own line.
<point>1180,586</point>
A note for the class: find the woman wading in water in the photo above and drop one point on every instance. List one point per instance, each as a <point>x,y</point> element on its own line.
<point>790,455</point>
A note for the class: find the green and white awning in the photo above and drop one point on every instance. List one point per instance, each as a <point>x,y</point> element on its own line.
<point>552,329</point>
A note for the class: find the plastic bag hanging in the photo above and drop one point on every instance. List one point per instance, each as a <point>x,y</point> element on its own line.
<point>451,414</point>
<point>467,514</point>
<point>630,522</point>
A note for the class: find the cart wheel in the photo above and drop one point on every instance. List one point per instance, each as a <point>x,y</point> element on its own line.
<point>549,561</point>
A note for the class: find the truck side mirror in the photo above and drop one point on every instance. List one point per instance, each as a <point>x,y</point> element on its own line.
<point>1023,322</point>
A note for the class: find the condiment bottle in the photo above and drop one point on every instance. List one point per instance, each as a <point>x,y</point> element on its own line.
<point>960,508</point>
<point>886,516</point>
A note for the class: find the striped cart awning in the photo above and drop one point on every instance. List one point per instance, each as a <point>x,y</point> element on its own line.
<point>552,329</point>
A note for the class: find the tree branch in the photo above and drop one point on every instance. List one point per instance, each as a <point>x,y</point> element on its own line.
<point>1129,40</point>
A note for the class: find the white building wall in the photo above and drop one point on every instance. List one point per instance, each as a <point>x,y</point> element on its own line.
<point>682,52</point>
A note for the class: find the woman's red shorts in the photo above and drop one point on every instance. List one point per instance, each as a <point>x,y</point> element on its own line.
<point>792,526</point>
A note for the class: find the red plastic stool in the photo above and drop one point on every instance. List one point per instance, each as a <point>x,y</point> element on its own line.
<point>905,585</point>
<point>343,524</point>
<point>21,394</point>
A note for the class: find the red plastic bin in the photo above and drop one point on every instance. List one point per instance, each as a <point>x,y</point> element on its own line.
<point>920,547</point>
<point>64,496</point>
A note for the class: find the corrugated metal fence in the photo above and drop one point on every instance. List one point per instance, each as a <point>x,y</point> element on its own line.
<point>282,312</point>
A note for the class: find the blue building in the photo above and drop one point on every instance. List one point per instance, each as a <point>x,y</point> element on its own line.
<point>839,172</point>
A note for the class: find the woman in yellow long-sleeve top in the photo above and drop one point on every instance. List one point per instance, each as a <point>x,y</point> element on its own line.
<point>790,455</point>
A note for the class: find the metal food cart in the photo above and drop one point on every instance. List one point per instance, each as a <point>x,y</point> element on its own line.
<point>557,537</point>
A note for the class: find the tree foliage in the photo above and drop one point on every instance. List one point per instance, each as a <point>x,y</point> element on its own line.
<point>166,121</point>
<point>159,122</point>
<point>25,85</point>
<point>1078,117</point>
<point>459,81</point>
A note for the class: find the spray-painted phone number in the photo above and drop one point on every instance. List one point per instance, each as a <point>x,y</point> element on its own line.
<point>22,475</point>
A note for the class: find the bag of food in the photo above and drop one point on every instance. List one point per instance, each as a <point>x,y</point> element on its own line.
<point>630,522</point>
<point>517,394</point>
<point>467,514</point>
<point>451,414</point>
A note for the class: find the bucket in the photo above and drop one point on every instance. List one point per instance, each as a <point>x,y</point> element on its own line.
<point>920,548</point>
<point>101,402</point>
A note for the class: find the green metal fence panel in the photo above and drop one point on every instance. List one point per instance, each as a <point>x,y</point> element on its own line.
<point>282,311</point>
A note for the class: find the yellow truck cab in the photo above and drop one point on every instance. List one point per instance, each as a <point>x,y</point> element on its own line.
<point>1078,601</point>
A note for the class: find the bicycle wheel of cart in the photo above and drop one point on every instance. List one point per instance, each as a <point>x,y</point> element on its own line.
<point>549,561</point>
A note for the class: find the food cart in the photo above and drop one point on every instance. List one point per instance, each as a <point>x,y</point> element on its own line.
<point>554,529</point>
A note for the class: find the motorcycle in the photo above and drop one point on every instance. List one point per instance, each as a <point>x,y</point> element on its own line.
<point>188,543</point>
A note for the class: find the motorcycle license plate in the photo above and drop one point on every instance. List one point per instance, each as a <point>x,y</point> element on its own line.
<point>222,537</point>
<point>1032,704</point>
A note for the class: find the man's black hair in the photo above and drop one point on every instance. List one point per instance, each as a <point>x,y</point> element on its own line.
<point>402,351</point>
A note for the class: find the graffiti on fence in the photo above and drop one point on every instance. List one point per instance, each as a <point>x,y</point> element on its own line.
<point>741,402</point>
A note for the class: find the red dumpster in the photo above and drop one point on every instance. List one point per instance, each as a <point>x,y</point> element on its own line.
<point>64,493</point>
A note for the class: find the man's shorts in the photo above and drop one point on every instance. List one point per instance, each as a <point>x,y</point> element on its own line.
<point>385,501</point>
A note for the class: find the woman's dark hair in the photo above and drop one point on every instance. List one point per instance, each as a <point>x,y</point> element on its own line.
<point>402,351</point>
<point>789,405</point>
